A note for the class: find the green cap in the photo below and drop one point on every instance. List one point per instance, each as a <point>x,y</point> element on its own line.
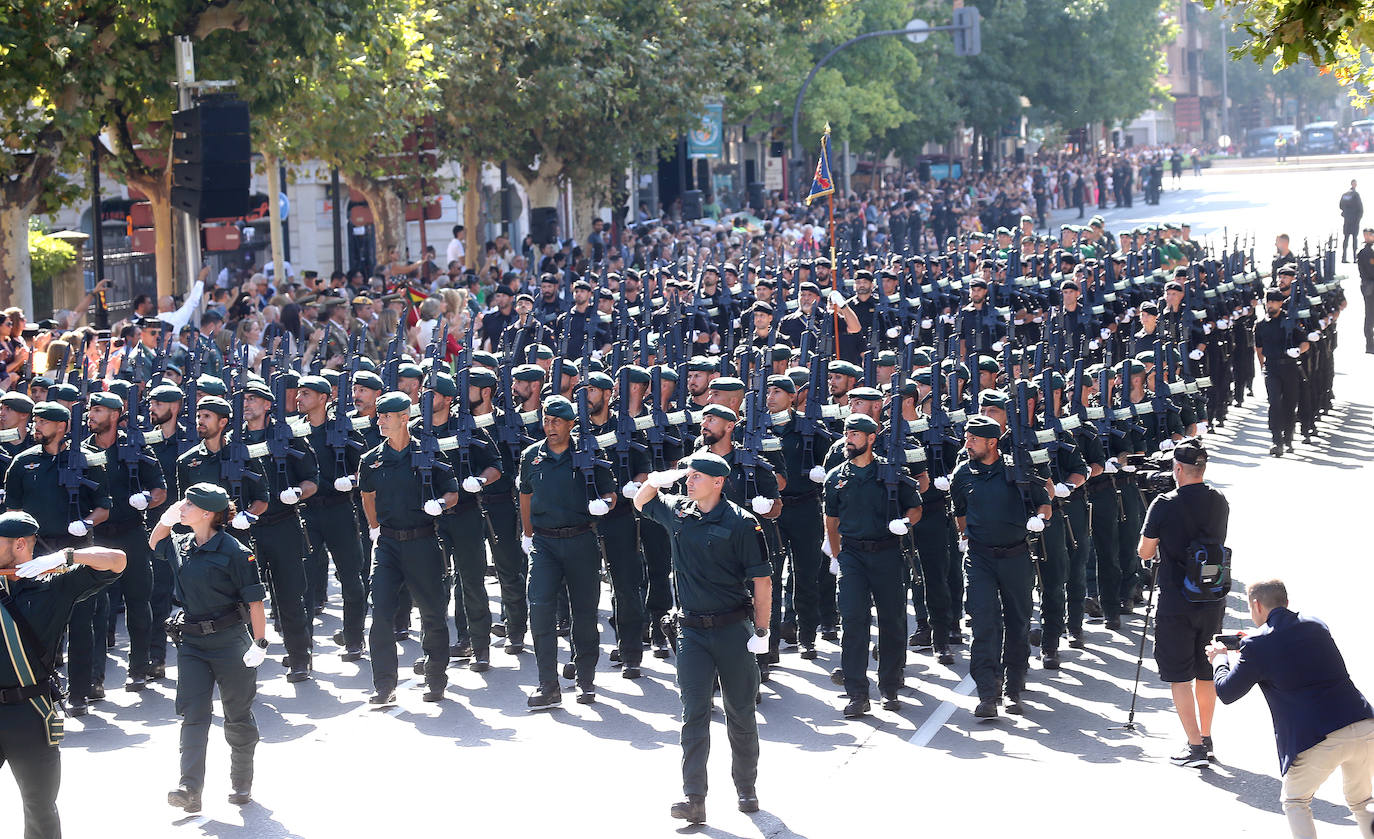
<point>208,497</point>
<point>981,426</point>
<point>1050,380</point>
<point>319,384</point>
<point>636,374</point>
<point>988,364</point>
<point>482,358</point>
<point>409,370</point>
<point>481,377</point>
<point>599,380</point>
<point>726,384</point>
<point>800,376</point>
<point>542,352</point>
<point>214,405</point>
<point>560,407</point>
<point>118,387</point>
<point>166,393</point>
<point>995,398</point>
<point>871,394</point>
<point>666,373</point>
<point>920,357</point>
<point>40,381</point>
<point>844,368</point>
<point>63,393</point>
<point>887,358</point>
<point>783,382</point>
<point>704,462</point>
<point>701,364</point>
<point>393,402</point>
<point>780,352</point>
<point>528,373</point>
<point>211,385</point>
<point>860,422</point>
<point>259,390</point>
<point>444,385</point>
<point>51,411</point>
<point>16,401</point>
<point>369,380</point>
<point>17,524</point>
<point>722,411</point>
<point>105,399</point>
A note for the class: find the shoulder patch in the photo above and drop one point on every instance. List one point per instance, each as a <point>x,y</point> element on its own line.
<point>252,557</point>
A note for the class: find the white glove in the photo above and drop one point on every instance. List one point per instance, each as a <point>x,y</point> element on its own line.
<point>434,507</point>
<point>527,544</point>
<point>1202,427</point>
<point>834,566</point>
<point>1110,467</point>
<point>836,298</point>
<point>1166,445</point>
<point>949,319</point>
<point>893,332</point>
<point>714,348</point>
<point>1035,524</point>
<point>41,565</point>
<point>1105,334</point>
<point>1037,319</point>
<point>907,339</point>
<point>1314,336</point>
<point>631,489</point>
<point>927,323</point>
<point>963,544</point>
<point>758,644</point>
<point>817,474</point>
<point>1293,352</point>
<point>343,484</point>
<point>373,533</point>
<point>290,495</point>
<point>139,501</point>
<point>899,527</point>
<point>596,355</point>
<point>254,655</point>
<point>240,521</point>
<point>666,478</point>
<point>1195,355</point>
<point>997,347</point>
<point>1223,323</point>
<point>1206,329</point>
<point>1130,313</point>
<point>78,528</point>
<point>942,483</point>
<point>1129,468</point>
<point>1062,490</point>
<point>472,484</point>
<point>597,507</point>
<point>1094,344</point>
<point>760,504</point>
<point>826,549</point>
<point>171,516</point>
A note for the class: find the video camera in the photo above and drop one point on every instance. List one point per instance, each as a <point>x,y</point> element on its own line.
<point>1154,474</point>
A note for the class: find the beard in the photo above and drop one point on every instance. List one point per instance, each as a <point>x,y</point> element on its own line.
<point>708,438</point>
<point>852,452</point>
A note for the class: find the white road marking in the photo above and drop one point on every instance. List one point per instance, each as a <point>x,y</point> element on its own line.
<point>942,714</point>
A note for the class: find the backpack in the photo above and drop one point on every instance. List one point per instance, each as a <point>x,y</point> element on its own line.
<point>1206,567</point>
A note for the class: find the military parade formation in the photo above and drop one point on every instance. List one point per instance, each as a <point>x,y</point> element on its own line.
<point>755,454</point>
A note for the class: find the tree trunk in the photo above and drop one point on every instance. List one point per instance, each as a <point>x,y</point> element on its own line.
<point>388,216</point>
<point>16,286</point>
<point>540,185</point>
<point>585,203</point>
<point>472,212</point>
<point>159,192</point>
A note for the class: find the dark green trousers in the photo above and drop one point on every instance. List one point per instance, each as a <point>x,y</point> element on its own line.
<point>137,585</point>
<point>330,529</point>
<point>802,529</point>
<point>462,530</point>
<point>1105,513</point>
<point>658,592</point>
<point>1054,570</point>
<point>872,581</point>
<point>931,537</point>
<point>702,655</point>
<point>419,566</point>
<point>205,663</point>
<point>512,567</point>
<point>999,600</point>
<point>1076,513</point>
<point>1128,538</point>
<point>37,768</point>
<point>574,563</point>
<point>280,549</point>
<point>620,537</point>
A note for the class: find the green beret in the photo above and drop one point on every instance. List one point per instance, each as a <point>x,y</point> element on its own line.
<point>331,376</point>
<point>259,390</point>
<point>570,368</point>
<point>666,373</point>
<point>119,388</point>
<point>51,411</point>
<point>985,427</point>
<point>528,373</point>
<point>40,381</point>
<point>1145,357</point>
<point>704,462</point>
<point>780,352</point>
<point>17,524</point>
<point>1137,368</point>
<point>319,384</point>
<point>542,352</point>
<point>722,411</point>
<point>482,358</point>
<point>995,398</point>
<point>599,380</point>
<point>844,368</point>
<point>922,376</point>
<point>1051,380</point>
<point>908,388</point>
<point>988,364</point>
<point>211,385</point>
<point>949,364</point>
<point>214,405</point>
<point>369,380</point>
<point>207,496</point>
<point>393,402</point>
<point>636,374</point>
<point>1093,371</point>
<point>726,384</point>
<point>861,422</point>
<point>870,393</point>
<point>63,393</point>
<point>887,358</point>
<point>409,370</point>
<point>560,407</point>
<point>920,357</point>
<point>16,401</point>
<point>701,364</point>
<point>365,363</point>
<point>800,376</point>
<point>783,382</point>
<point>166,393</point>
<point>444,385</point>
<point>107,400</point>
<point>481,377</point>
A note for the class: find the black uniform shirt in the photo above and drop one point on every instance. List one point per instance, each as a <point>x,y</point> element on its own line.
<point>46,604</point>
<point>991,504</point>
<point>211,579</point>
<point>857,496</point>
<point>327,459</point>
<point>397,486</point>
<point>558,490</point>
<point>117,484</point>
<point>297,469</point>
<point>715,554</point>
<point>31,485</point>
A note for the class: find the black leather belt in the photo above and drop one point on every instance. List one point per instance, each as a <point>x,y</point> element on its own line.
<point>425,532</point>
<point>118,528</point>
<point>716,620</point>
<point>210,626</point>
<point>999,551</point>
<point>495,499</point>
<point>800,497</point>
<point>273,518</point>
<point>334,500</point>
<point>870,545</point>
<point>563,532</point>
<point>20,695</point>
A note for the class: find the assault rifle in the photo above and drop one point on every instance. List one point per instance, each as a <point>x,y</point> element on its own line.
<point>73,461</point>
<point>586,454</point>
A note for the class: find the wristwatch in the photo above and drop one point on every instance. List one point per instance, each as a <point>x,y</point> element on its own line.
<point>261,642</point>
<point>760,631</point>
<point>69,555</point>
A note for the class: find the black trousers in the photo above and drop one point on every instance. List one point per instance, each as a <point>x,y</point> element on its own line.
<point>418,565</point>
<point>137,585</point>
<point>280,548</point>
<point>1281,382</point>
<point>512,566</point>
<point>37,768</point>
<point>330,532</point>
<point>1368,320</point>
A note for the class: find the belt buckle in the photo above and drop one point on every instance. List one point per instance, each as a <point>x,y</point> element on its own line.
<point>206,627</point>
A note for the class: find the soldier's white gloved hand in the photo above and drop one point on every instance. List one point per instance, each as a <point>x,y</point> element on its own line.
<point>1166,445</point>
<point>78,528</point>
<point>631,489</point>
<point>997,347</point>
<point>1110,466</point>
<point>947,318</point>
<point>758,644</point>
<point>942,483</point>
<point>597,507</point>
<point>963,544</point>
<point>836,298</point>
<point>1202,427</point>
<point>172,515</point>
<point>1037,319</point>
<point>1293,352</point>
<point>290,495</point>
<point>527,544</point>
<point>899,527</point>
<point>473,484</point>
<point>907,339</point>
<point>254,655</point>
<point>434,507</point>
<point>1223,323</point>
<point>666,478</point>
<point>1062,490</point>
<point>1128,468</point>
<point>927,323</point>
<point>1206,329</point>
<point>760,504</point>
<point>826,549</point>
<point>596,355</point>
<point>714,348</point>
<point>1105,334</point>
<point>373,533</point>
<point>817,474</point>
<point>343,484</point>
<point>1314,336</point>
<point>1195,355</point>
<point>834,566</point>
<point>1094,344</point>
<point>1035,524</point>
<point>139,500</point>
<point>242,520</point>
<point>1130,313</point>
<point>41,565</point>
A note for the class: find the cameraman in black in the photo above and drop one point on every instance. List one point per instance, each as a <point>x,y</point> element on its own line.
<point>1194,512</point>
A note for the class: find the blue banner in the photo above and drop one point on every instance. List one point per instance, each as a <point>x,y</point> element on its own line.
<point>707,140</point>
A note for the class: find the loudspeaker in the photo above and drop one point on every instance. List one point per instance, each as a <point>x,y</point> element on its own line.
<point>1020,155</point>
<point>211,171</point>
<point>691,205</point>
<point>923,170</point>
<point>543,223</point>
<point>756,195</point>
<point>775,148</point>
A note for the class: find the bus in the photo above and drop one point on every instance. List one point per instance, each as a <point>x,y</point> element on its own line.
<point>1320,138</point>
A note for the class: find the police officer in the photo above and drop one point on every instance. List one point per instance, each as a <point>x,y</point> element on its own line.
<point>800,523</point>
<point>987,512</point>
<point>872,569</point>
<point>132,487</point>
<point>164,408</point>
<point>401,523</point>
<point>1278,349</point>
<point>724,586</point>
<point>218,586</point>
<point>556,520</point>
<point>34,612</point>
<point>65,519</point>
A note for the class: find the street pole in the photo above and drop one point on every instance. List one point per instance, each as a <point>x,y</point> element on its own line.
<point>187,242</point>
<point>102,317</point>
<point>1225,95</point>
<point>336,217</point>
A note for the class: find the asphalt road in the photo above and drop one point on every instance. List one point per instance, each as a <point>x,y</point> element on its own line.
<point>479,763</point>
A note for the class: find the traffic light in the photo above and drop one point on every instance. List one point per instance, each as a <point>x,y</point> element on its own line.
<point>968,38</point>
<point>211,166</point>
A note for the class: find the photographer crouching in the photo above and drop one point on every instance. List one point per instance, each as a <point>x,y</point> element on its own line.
<point>1178,525</point>
<point>1321,721</point>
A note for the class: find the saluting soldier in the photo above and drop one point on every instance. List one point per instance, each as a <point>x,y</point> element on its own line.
<point>401,523</point>
<point>222,638</point>
<point>724,586</point>
<point>34,612</point>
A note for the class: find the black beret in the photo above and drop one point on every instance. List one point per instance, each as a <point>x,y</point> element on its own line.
<point>214,405</point>
<point>17,524</point>
<point>560,407</point>
<point>208,497</point>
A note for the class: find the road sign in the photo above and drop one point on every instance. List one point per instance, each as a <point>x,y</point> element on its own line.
<point>917,30</point>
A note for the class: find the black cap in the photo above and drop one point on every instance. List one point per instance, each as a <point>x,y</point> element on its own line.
<point>1190,452</point>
